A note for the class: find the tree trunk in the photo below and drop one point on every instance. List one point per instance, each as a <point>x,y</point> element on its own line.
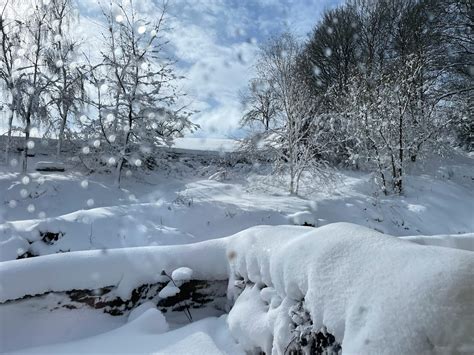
<point>400,155</point>
<point>118,172</point>
<point>9,136</point>
<point>25,148</point>
<point>61,135</point>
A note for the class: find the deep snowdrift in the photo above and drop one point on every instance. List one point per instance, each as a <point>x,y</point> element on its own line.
<point>372,292</point>
<point>375,293</point>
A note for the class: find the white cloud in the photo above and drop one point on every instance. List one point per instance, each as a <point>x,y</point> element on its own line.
<point>211,41</point>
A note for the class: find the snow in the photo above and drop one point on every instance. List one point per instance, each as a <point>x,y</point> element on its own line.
<point>382,282</point>
<point>125,268</point>
<point>303,218</point>
<point>383,285</point>
<point>458,241</point>
<point>169,291</point>
<point>13,247</point>
<point>206,144</point>
<point>387,288</point>
<point>182,274</point>
<point>30,324</point>
<point>148,318</point>
<point>144,307</point>
<point>208,336</point>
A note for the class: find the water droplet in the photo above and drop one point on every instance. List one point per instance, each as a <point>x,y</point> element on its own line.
<point>31,208</point>
<point>84,184</point>
<point>90,202</point>
<point>25,180</point>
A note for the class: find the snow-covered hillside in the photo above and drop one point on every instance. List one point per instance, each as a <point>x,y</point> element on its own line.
<point>284,177</point>
<point>83,233</point>
<point>78,212</point>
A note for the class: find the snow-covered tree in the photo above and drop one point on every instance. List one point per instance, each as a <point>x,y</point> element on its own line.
<point>9,64</point>
<point>32,81</point>
<point>291,132</point>
<point>66,93</point>
<point>140,99</point>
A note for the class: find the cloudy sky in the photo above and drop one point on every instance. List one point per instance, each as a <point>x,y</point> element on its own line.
<point>215,42</point>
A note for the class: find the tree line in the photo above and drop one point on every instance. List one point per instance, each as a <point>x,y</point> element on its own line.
<point>120,95</point>
<point>378,85</point>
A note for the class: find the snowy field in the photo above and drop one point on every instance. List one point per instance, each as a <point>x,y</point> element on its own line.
<point>87,234</point>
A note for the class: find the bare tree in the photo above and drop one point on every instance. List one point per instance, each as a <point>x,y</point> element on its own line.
<point>10,44</point>
<point>32,82</point>
<point>293,138</point>
<point>67,91</point>
<point>260,104</point>
<point>144,99</point>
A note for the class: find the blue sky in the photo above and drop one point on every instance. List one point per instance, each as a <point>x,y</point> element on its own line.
<point>215,42</point>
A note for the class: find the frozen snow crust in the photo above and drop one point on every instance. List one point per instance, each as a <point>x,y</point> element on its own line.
<point>375,294</point>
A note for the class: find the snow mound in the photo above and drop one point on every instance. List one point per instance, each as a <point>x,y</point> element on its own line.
<point>303,218</point>
<point>457,241</point>
<point>169,291</point>
<point>148,319</point>
<point>12,248</point>
<point>371,292</point>
<point>182,274</point>
<point>126,268</point>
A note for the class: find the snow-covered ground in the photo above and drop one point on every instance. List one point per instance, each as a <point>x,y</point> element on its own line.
<point>60,212</point>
